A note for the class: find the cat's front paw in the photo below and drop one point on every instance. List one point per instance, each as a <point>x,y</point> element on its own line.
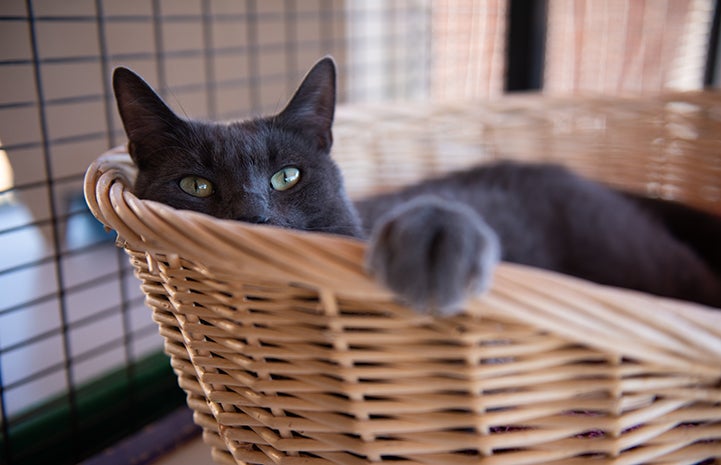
<point>433,253</point>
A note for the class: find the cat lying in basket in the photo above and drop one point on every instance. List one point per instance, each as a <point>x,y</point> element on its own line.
<point>433,243</point>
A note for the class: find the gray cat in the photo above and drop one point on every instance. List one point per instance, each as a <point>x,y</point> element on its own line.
<point>433,243</point>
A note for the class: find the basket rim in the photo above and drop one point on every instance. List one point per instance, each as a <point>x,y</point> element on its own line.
<point>620,322</point>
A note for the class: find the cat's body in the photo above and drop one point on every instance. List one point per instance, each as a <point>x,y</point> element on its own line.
<point>546,216</point>
<point>433,243</point>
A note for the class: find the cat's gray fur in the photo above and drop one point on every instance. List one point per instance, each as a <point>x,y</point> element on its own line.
<point>432,243</point>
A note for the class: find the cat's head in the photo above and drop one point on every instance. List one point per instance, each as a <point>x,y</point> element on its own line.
<point>275,170</point>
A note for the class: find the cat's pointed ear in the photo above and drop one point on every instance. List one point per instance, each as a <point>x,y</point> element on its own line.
<point>145,115</point>
<point>312,107</point>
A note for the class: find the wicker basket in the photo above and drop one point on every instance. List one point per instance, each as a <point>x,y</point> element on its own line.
<point>290,354</point>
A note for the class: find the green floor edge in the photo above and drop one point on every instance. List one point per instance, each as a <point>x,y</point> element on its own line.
<point>107,409</point>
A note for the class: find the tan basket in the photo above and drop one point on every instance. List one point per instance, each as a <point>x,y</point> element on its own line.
<point>290,354</point>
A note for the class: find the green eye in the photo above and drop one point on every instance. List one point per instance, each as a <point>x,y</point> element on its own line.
<point>285,178</point>
<point>196,186</point>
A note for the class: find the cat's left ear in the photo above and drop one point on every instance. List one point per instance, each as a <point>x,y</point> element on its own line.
<point>311,109</point>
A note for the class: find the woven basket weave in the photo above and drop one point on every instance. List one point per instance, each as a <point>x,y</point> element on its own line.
<point>290,354</point>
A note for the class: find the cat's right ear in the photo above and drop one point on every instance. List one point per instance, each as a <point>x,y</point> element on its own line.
<point>310,110</point>
<point>145,115</point>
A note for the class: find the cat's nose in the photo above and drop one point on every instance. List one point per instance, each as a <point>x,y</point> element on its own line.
<point>257,219</point>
